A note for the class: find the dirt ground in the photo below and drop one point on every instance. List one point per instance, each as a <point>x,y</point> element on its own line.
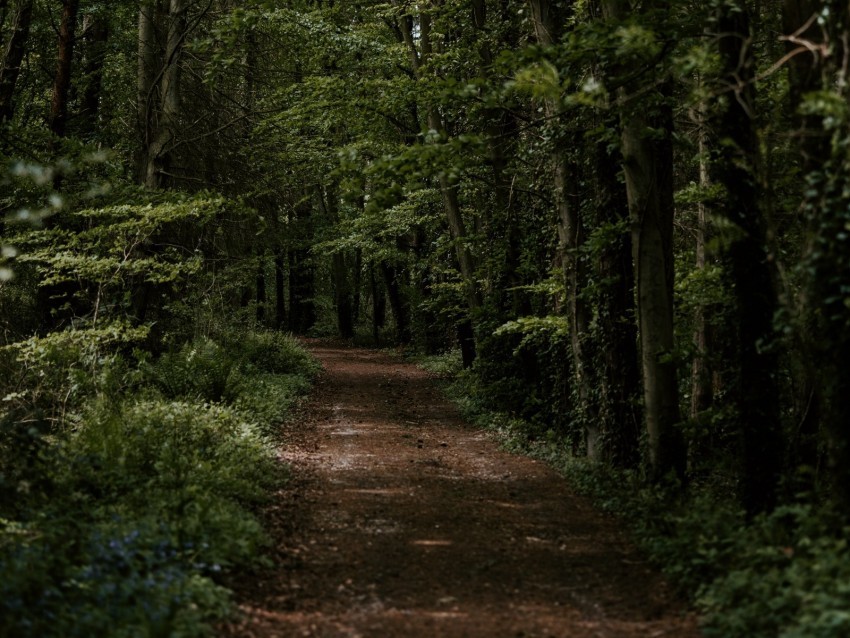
<point>403,521</point>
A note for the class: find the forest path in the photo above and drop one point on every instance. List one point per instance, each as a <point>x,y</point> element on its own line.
<point>402,520</point>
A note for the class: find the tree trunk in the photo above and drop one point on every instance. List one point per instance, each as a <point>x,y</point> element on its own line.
<point>648,166</point>
<point>62,78</point>
<point>547,21</point>
<point>500,221</point>
<point>398,303</point>
<point>648,170</point>
<point>53,299</point>
<point>95,36</point>
<point>340,267</point>
<point>448,190</point>
<point>145,85</point>
<point>737,169</point>
<point>358,284</point>
<point>378,307</point>
<point>302,271</point>
<point>342,295</point>
<point>823,329</point>
<point>261,289</point>
<point>302,309</point>
<point>806,74</point>
<point>701,377</point>
<point>279,285</point>
<point>619,414</point>
<point>158,173</point>
<point>13,57</point>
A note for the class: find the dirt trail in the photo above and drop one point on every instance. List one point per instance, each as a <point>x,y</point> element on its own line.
<point>404,521</point>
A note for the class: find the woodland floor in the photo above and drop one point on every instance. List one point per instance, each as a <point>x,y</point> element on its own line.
<point>402,520</point>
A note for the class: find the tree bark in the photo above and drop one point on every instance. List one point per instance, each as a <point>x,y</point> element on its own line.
<point>62,78</point>
<point>13,58</point>
<point>823,330</point>
<point>619,412</point>
<point>157,174</point>
<point>378,307</point>
<point>358,284</point>
<point>279,286</point>
<point>648,171</point>
<point>500,220</point>
<point>737,169</point>
<point>448,190</point>
<point>343,300</point>
<point>302,273</point>
<point>398,303</point>
<point>145,85</point>
<point>806,74</point>
<point>95,37</point>
<point>340,268</point>
<point>261,297</point>
<point>547,27</point>
<point>701,377</point>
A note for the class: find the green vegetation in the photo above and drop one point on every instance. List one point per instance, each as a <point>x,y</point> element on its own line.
<point>132,484</point>
<point>630,217</point>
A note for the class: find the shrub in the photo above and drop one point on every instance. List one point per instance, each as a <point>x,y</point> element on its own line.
<point>118,522</point>
<point>175,447</point>
<point>222,372</point>
<point>116,579</point>
<point>268,398</point>
<point>270,351</point>
<point>52,376</point>
<point>200,370</point>
<point>522,371</point>
<point>44,383</point>
<point>788,576</point>
<point>147,503</point>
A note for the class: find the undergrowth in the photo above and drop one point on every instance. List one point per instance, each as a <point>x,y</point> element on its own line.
<point>128,485</point>
<point>782,575</point>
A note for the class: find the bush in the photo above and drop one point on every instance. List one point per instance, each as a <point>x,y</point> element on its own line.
<point>522,370</point>
<point>178,448</point>
<point>115,580</point>
<point>223,372</point>
<point>270,351</point>
<point>788,576</point>
<point>148,502</point>
<point>117,523</point>
<point>44,384</point>
<point>200,370</point>
<point>268,398</point>
<point>50,377</point>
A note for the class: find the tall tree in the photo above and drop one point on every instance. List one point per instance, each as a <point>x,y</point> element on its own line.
<point>419,59</point>
<point>619,410</point>
<point>825,266</point>
<point>145,84</point>
<point>95,36</point>
<point>736,167</point>
<point>62,77</point>
<point>159,155</point>
<point>13,57</point>
<point>647,148</point>
<point>549,21</point>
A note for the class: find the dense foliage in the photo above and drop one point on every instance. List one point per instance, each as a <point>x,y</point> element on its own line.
<point>629,217</point>
<point>130,484</point>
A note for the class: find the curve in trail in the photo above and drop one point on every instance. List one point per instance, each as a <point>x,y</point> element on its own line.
<point>404,521</point>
